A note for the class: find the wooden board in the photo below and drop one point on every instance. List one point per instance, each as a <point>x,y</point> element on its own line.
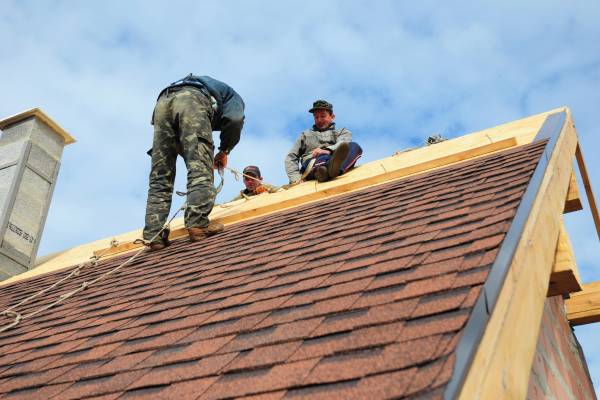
<point>502,363</point>
<point>390,170</point>
<point>588,189</point>
<point>584,307</point>
<point>565,275</point>
<point>573,202</point>
<point>39,114</point>
<point>520,131</point>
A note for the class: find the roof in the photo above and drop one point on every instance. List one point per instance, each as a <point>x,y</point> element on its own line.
<point>360,295</point>
<point>399,165</point>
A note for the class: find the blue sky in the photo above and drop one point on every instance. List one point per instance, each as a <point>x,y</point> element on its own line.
<point>395,71</point>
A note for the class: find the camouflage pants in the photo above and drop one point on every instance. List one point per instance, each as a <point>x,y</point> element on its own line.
<point>181,124</point>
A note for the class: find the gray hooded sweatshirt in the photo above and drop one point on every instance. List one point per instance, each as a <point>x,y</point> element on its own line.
<point>309,140</point>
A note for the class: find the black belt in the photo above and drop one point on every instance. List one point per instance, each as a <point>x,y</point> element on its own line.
<point>174,89</point>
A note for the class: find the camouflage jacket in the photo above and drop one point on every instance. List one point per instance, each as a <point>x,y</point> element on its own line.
<point>246,193</point>
<point>309,140</point>
<point>229,115</point>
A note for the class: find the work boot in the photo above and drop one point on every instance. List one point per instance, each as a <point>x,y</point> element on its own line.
<point>198,234</point>
<point>337,159</point>
<point>161,241</point>
<point>321,174</point>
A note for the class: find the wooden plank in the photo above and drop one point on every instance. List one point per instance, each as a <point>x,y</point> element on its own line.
<point>502,363</point>
<point>584,307</point>
<point>335,188</point>
<point>573,202</point>
<point>565,275</point>
<point>115,248</point>
<point>523,131</point>
<point>284,200</point>
<point>588,188</point>
<point>39,114</point>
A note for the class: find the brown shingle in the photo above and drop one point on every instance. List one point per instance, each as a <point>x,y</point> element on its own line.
<point>101,385</point>
<point>274,334</point>
<point>184,370</point>
<point>32,379</point>
<point>260,380</point>
<point>264,356</point>
<point>373,308</point>
<point>186,351</point>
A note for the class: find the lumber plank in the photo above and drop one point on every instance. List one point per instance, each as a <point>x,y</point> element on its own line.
<point>42,116</point>
<point>523,131</point>
<point>584,307</point>
<point>502,362</point>
<point>565,274</point>
<point>395,170</point>
<point>573,202</point>
<point>114,249</point>
<point>588,188</point>
<point>303,194</point>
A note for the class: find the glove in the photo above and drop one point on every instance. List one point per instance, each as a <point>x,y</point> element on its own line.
<point>260,189</point>
<point>220,160</point>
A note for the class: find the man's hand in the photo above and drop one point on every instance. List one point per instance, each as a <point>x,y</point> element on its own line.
<point>318,151</point>
<point>220,160</point>
<point>260,189</point>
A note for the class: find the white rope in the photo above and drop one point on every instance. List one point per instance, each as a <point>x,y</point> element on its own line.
<point>18,317</point>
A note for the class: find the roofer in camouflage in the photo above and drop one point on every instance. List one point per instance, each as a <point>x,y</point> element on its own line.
<point>186,113</point>
<point>332,149</point>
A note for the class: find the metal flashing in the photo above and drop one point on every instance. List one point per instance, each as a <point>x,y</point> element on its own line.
<point>473,332</point>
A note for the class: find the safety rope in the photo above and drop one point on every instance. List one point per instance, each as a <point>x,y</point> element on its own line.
<point>18,317</point>
<point>237,174</point>
<point>222,175</point>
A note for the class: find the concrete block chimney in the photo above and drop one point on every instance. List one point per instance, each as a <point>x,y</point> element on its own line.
<point>31,146</point>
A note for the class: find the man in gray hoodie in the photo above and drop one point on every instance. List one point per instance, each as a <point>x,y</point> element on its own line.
<point>323,152</point>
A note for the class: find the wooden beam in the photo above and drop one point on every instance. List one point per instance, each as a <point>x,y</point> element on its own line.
<point>573,202</point>
<point>393,170</point>
<point>584,307</point>
<point>588,189</point>
<point>523,131</point>
<point>39,114</point>
<point>565,275</point>
<point>501,366</point>
<point>389,170</point>
<point>115,249</point>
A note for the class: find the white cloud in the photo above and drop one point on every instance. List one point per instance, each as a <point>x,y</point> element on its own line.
<point>395,71</point>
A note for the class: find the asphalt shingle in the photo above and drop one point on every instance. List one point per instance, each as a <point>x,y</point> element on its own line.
<point>360,295</point>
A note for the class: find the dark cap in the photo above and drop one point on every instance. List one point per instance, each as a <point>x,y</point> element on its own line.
<point>321,105</point>
<point>252,170</point>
